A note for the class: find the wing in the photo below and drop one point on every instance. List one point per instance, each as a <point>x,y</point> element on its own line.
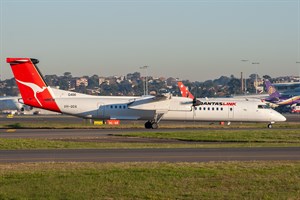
<point>161,102</point>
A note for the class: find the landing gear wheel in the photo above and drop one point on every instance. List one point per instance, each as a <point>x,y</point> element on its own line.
<point>148,125</point>
<point>269,125</point>
<point>154,125</point>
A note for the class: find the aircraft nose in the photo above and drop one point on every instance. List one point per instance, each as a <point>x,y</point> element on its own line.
<point>282,118</point>
<point>279,117</point>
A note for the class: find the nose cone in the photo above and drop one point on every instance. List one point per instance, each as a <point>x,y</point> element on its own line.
<point>279,117</point>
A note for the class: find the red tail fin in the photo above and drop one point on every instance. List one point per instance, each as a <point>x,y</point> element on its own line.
<point>32,86</point>
<point>184,90</point>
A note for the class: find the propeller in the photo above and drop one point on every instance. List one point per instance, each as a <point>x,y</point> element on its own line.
<point>186,93</point>
<point>196,102</point>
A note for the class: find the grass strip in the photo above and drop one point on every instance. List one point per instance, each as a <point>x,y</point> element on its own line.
<point>15,144</point>
<point>235,136</point>
<point>222,180</point>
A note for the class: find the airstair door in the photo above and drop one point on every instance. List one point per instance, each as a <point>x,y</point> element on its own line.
<point>101,111</point>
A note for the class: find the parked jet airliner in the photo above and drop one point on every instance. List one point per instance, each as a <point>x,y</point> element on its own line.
<point>35,92</point>
<point>276,98</point>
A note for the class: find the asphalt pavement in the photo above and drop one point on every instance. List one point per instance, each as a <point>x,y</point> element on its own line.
<point>151,155</point>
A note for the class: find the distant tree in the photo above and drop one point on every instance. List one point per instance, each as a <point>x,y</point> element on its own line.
<point>64,83</point>
<point>234,86</point>
<point>223,80</point>
<point>93,81</point>
<point>68,74</point>
<point>51,80</point>
<point>253,76</point>
<point>125,87</point>
<point>267,77</point>
<point>81,88</point>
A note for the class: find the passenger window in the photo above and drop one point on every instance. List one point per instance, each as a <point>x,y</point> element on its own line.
<point>204,108</point>
<point>116,107</point>
<point>212,108</point>
<point>120,107</point>
<point>199,108</point>
<point>217,108</point>
<point>111,107</point>
<point>208,108</point>
<point>124,107</point>
<point>221,108</point>
<point>230,109</point>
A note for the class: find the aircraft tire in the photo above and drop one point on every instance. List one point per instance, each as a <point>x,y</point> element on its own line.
<point>148,125</point>
<point>154,125</point>
<point>269,125</point>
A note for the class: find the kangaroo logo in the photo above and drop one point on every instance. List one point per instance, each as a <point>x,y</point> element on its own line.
<point>35,88</point>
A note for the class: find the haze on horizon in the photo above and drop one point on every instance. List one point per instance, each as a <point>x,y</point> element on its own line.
<point>196,40</point>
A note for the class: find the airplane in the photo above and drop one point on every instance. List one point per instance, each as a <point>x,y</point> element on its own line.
<point>277,99</point>
<point>10,103</point>
<point>184,90</point>
<point>36,93</point>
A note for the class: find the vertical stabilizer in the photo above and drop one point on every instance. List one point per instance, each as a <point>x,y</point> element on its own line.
<point>273,93</point>
<point>34,90</point>
<point>184,90</point>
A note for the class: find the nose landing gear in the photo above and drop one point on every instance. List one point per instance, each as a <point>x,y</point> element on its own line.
<point>270,125</point>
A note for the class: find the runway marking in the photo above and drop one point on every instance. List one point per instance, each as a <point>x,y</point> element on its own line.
<point>10,130</point>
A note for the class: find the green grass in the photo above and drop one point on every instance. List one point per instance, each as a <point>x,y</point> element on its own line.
<point>224,180</point>
<point>234,136</point>
<point>190,139</point>
<point>15,144</point>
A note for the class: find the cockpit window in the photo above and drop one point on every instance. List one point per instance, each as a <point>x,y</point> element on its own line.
<point>263,107</point>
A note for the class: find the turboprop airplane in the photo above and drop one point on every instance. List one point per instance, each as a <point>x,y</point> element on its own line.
<point>205,101</point>
<point>36,93</point>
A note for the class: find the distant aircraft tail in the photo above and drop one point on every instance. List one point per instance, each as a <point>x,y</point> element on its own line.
<point>34,90</point>
<point>184,90</point>
<point>273,93</point>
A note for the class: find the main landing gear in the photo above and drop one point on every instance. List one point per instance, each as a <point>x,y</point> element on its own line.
<point>151,125</point>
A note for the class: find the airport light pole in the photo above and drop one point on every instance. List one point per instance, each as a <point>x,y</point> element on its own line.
<point>245,84</point>
<point>256,63</point>
<point>145,85</point>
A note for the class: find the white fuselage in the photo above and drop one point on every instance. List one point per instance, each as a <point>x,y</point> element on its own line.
<point>175,108</point>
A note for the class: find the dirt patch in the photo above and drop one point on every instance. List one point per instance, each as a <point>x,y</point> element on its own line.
<point>114,139</point>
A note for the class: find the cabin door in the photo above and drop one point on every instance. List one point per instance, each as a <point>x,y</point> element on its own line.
<point>101,110</point>
<point>230,112</point>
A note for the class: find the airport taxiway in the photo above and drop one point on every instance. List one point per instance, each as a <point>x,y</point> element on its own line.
<point>151,155</point>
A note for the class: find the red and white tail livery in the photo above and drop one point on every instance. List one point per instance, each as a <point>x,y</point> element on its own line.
<point>185,91</point>
<point>34,90</point>
<point>36,93</point>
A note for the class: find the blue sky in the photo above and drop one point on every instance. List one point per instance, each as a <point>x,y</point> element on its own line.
<point>191,39</point>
